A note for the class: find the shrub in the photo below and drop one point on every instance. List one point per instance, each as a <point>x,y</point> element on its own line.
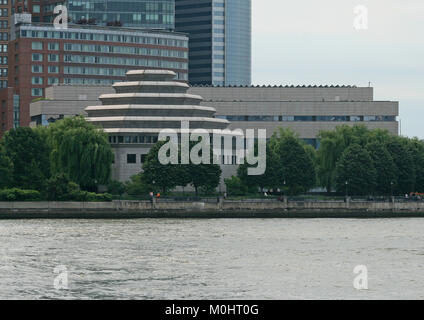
<point>116,188</point>
<point>235,187</point>
<point>16,194</point>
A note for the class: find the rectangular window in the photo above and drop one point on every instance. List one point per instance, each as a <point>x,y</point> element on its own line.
<point>37,69</point>
<point>131,158</point>
<point>37,46</point>
<point>37,57</point>
<point>37,92</point>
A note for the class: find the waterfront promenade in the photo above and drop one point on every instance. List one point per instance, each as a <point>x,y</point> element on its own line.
<point>210,208</point>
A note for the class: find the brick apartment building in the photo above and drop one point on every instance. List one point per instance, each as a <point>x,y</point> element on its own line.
<point>41,56</point>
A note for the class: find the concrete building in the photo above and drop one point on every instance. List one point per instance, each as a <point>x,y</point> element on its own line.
<point>148,102</point>
<point>220,40</point>
<point>306,110</point>
<point>41,56</point>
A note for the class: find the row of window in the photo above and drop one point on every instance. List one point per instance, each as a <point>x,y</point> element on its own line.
<point>38,57</point>
<point>103,36</point>
<point>125,61</point>
<point>113,72</point>
<point>133,139</point>
<point>132,158</point>
<point>40,80</point>
<point>308,118</point>
<point>39,69</point>
<point>125,50</point>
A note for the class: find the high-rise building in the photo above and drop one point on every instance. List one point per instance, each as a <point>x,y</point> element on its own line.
<point>220,40</point>
<point>151,14</point>
<point>154,14</point>
<point>42,56</point>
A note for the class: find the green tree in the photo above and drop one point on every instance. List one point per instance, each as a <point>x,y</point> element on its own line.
<point>6,170</point>
<point>60,188</point>
<point>235,187</point>
<point>267,180</point>
<point>297,168</point>
<point>384,166</point>
<point>29,154</point>
<point>355,167</point>
<point>205,176</point>
<point>416,148</point>
<point>81,151</point>
<point>116,188</point>
<point>138,186</point>
<point>165,177</point>
<point>403,159</point>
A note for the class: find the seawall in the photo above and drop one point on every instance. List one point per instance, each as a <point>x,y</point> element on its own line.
<point>217,209</point>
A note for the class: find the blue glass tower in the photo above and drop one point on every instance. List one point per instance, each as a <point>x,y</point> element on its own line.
<point>152,14</point>
<point>220,40</point>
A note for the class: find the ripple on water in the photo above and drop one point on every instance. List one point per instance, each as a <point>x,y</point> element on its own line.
<point>212,259</point>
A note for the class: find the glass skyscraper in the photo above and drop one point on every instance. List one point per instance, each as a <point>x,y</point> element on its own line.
<point>220,40</point>
<point>153,14</point>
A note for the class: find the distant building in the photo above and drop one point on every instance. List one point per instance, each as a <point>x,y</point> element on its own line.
<point>305,110</point>
<point>41,56</point>
<point>220,34</point>
<point>132,13</point>
<point>134,115</point>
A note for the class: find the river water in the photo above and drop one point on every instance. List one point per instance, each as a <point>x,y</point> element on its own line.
<point>211,259</point>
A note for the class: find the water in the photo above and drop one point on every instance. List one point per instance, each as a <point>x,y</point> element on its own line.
<point>212,259</point>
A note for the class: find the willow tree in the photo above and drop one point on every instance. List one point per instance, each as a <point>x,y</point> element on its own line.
<point>334,143</point>
<point>81,151</point>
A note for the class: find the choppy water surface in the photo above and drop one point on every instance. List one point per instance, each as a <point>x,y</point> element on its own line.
<point>212,259</point>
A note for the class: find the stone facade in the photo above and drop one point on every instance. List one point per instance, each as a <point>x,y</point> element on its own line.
<point>149,101</point>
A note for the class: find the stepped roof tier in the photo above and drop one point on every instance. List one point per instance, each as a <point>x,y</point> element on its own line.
<point>151,100</point>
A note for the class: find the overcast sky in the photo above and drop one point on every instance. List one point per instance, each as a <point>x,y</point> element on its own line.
<point>314,42</point>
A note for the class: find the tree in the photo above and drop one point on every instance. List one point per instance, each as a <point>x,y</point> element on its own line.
<point>29,153</point>
<point>355,167</point>
<point>205,176</point>
<point>165,177</point>
<point>116,188</point>
<point>295,166</point>
<point>81,151</point>
<point>138,186</point>
<point>332,145</point>
<point>268,180</point>
<point>404,162</point>
<point>386,177</point>
<point>60,188</point>
<point>416,148</point>
<point>6,170</point>
<point>235,186</point>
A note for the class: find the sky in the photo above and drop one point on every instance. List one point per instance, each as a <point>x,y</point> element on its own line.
<point>310,42</point>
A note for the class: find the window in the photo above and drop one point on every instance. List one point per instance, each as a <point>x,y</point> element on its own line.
<point>37,46</point>
<point>53,46</point>
<point>37,69</point>
<point>37,80</point>
<point>53,69</point>
<point>53,58</point>
<point>37,57</point>
<point>131,158</point>
<point>37,92</point>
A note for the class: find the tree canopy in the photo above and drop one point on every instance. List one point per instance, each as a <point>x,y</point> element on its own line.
<point>81,151</point>
<point>26,156</point>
